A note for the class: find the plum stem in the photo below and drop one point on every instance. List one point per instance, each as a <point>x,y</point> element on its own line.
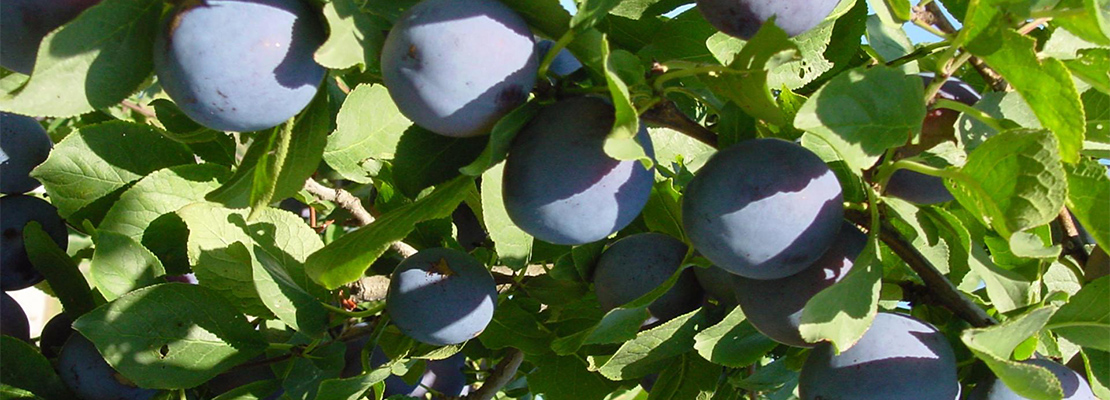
<point>667,114</point>
<point>1073,245</point>
<point>694,71</point>
<point>971,112</point>
<point>920,52</point>
<point>373,310</point>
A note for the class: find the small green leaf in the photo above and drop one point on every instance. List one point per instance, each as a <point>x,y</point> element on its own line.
<point>284,297</point>
<point>369,125</point>
<point>350,388</point>
<point>344,260</point>
<point>688,377</point>
<point>590,12</point>
<point>733,342</point>
<point>179,126</point>
<point>162,192</point>
<point>663,212</point>
<point>1088,195</point>
<point>25,368</point>
<point>994,345</point>
<point>121,265</point>
<point>1085,319</point>
<point>355,37</point>
<point>501,138</point>
<point>288,169</point>
<point>59,269</point>
<point>513,245</point>
<point>1091,68</point>
<point>654,347</point>
<point>172,335</point>
<point>746,84</point>
<point>516,326</point>
<point>841,313</point>
<point>890,41</point>
<point>621,143</point>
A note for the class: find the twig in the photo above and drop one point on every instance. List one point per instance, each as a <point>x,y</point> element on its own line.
<point>137,108</point>
<point>501,375</point>
<point>993,78</point>
<point>667,114</point>
<point>942,290</point>
<point>352,204</point>
<point>1073,244</point>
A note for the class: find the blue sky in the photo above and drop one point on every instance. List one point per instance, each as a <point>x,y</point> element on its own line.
<point>917,35</point>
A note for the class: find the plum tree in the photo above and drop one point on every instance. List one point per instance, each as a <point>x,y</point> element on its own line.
<point>444,376</point>
<point>16,270</point>
<point>898,358</point>
<point>774,307</point>
<point>54,335</point>
<point>561,187</point>
<point>719,284</point>
<point>24,145</point>
<point>13,320</point>
<point>1073,384</point>
<point>441,296</point>
<point>743,18</point>
<point>763,209</point>
<point>455,67</point>
<point>563,64</point>
<point>88,376</point>
<point>240,65</point>
<point>24,23</point>
<point>939,126</point>
<point>635,265</point>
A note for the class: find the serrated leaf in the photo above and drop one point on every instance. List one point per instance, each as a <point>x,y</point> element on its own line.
<point>350,388</point>
<point>513,245</point>
<point>120,265</point>
<point>344,260</point>
<point>179,126</point>
<point>621,143</point>
<point>172,335</point>
<point>1088,195</point>
<point>425,159</point>
<point>92,62</point>
<point>1093,25</point>
<point>100,159</point>
<point>663,211</point>
<point>746,85</point>
<point>284,297</point>
<point>59,269</point>
<point>25,368</point>
<point>1014,181</point>
<point>354,37</point>
<point>1085,319</point>
<point>160,193</point>
<point>888,40</point>
<point>841,313</point>
<point>1097,365</point>
<point>515,326</point>
<point>1091,68</point>
<point>733,342</point>
<point>689,377</point>
<point>654,347</point>
<point>862,113</point>
<point>994,345</point>
<point>369,125</point>
<point>295,155</point>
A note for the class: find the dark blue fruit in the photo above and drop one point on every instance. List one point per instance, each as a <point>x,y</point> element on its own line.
<point>24,23</point>
<point>87,375</point>
<point>16,270</point>
<point>743,18</point>
<point>441,296</point>
<point>13,321</point>
<point>719,284</point>
<point>1073,384</point>
<point>444,376</point>
<point>898,358</point>
<point>240,65</point>
<point>561,187</point>
<point>23,146</point>
<point>939,126</point>
<point>455,67</point>
<point>637,264</point>
<point>564,63</point>
<point>55,334</point>
<point>763,209</point>
<point>774,307</point>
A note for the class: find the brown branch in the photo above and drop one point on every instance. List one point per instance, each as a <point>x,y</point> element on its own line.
<point>137,108</point>
<point>352,204</point>
<point>1073,244</point>
<point>501,375</point>
<point>941,289</point>
<point>667,115</point>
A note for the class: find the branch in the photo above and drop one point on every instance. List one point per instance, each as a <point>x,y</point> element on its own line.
<point>501,375</point>
<point>137,108</point>
<point>941,289</point>
<point>1073,244</point>
<point>994,79</point>
<point>667,114</point>
<point>352,204</point>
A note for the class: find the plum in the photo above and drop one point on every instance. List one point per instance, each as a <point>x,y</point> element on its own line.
<point>763,208</point>
<point>564,63</point>
<point>635,265</point>
<point>939,126</point>
<point>743,18</point>
<point>775,307</point>
<point>13,321</point>
<point>559,185</point>
<point>719,284</point>
<point>898,358</point>
<point>16,270</point>
<point>240,65</point>
<point>55,334</point>
<point>1073,384</point>
<point>87,375</point>
<point>24,145</point>
<point>444,376</point>
<point>441,296</point>
<point>24,23</point>
<point>455,67</point>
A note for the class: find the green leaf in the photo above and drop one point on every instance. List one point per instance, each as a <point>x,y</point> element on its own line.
<point>344,260</point>
<point>1085,319</point>
<point>350,388</point>
<point>307,374</point>
<point>257,390</point>
<point>1002,106</point>
<point>683,38</point>
<point>425,159</point>
<point>1093,25</point>
<point>1091,68</point>
<point>566,378</point>
<point>890,41</point>
<point>689,377</point>
<point>1014,181</point>
<point>213,230</point>
<point>841,313</point>
<point>663,211</point>
<point>1006,289</point>
<point>120,265</point>
<point>172,335</point>
<point>746,84</point>
<point>60,271</point>
<point>1046,86</point>
<point>862,113</point>
<point>284,297</point>
<point>590,12</point>
<point>513,245</point>
<point>621,143</point>
<point>13,393</point>
<point>160,193</point>
<point>515,324</point>
<point>179,126</point>
<point>733,342</point>
<point>92,62</point>
<point>1097,364</point>
<point>296,157</point>
<point>1088,195</point>
<point>355,37</point>
<point>994,345</point>
<point>25,368</point>
<point>501,138</point>
<point>100,159</point>
<point>369,125</point>
<point>652,348</point>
